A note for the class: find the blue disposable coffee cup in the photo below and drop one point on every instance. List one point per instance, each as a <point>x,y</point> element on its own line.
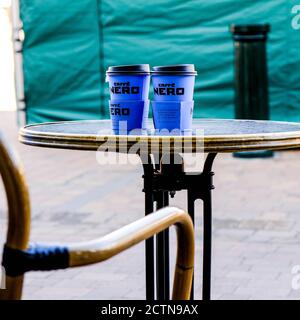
<point>173,83</point>
<point>129,82</point>
<point>127,116</point>
<point>173,96</point>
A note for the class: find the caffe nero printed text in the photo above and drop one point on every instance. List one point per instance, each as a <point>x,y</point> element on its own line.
<point>116,110</point>
<point>124,88</point>
<point>168,89</point>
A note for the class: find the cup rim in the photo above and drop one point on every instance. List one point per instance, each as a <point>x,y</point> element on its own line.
<point>176,69</point>
<point>136,69</point>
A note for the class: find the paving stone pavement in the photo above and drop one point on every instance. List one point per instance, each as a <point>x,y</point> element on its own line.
<point>256,225</point>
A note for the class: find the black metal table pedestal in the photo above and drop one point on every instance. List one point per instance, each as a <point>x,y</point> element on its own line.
<point>160,181</point>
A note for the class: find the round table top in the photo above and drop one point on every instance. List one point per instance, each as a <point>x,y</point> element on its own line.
<point>214,135</point>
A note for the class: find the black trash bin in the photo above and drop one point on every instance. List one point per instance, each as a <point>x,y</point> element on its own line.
<point>251,76</point>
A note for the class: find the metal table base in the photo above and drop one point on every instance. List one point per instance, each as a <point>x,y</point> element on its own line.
<point>160,181</point>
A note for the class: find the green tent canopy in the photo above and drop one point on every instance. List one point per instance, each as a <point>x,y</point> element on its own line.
<point>69,44</point>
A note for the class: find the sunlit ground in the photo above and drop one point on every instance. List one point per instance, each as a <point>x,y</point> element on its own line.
<point>7,93</point>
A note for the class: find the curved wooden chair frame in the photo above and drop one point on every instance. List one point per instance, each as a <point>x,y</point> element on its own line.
<point>86,252</point>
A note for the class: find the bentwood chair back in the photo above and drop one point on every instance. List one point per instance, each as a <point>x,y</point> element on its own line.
<point>20,257</point>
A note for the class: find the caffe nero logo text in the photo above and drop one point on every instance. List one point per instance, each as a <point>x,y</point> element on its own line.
<point>124,88</point>
<point>116,110</point>
<point>168,89</point>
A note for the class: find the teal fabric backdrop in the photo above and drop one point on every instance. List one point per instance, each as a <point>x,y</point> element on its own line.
<point>69,44</point>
